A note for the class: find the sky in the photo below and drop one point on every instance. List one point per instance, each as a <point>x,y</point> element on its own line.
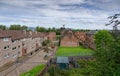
<point>77,14</point>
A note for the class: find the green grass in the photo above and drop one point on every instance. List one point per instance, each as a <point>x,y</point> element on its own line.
<point>73,51</point>
<point>36,70</point>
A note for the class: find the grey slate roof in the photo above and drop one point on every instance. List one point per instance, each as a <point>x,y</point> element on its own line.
<point>92,32</point>
<point>62,60</point>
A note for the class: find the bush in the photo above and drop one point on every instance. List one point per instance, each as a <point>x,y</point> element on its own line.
<point>53,71</point>
<point>46,42</point>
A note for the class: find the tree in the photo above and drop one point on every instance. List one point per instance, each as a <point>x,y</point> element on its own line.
<point>105,63</point>
<point>46,42</point>
<point>40,29</point>
<point>24,27</point>
<point>15,27</point>
<point>3,27</point>
<point>53,29</point>
<point>115,22</point>
<point>18,27</point>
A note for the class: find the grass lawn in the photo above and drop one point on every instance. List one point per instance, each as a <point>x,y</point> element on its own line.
<point>33,72</point>
<point>73,51</point>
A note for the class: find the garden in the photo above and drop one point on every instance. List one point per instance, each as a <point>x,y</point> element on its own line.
<point>74,51</point>
<point>35,71</point>
<point>85,69</point>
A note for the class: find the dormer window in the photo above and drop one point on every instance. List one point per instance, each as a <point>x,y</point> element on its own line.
<point>5,39</point>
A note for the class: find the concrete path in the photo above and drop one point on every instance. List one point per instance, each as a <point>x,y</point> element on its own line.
<point>22,67</point>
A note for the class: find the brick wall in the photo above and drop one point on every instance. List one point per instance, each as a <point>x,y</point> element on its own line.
<point>52,36</point>
<point>90,41</point>
<point>69,40</point>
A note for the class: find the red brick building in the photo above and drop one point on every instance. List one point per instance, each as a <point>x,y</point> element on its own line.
<point>69,39</point>
<point>74,39</point>
<point>16,43</point>
<point>89,41</point>
<point>81,36</point>
<point>52,36</point>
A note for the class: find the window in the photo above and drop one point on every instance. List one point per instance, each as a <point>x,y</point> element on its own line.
<point>5,39</point>
<point>18,52</point>
<point>14,48</point>
<point>23,44</point>
<point>6,47</point>
<point>14,56</point>
<point>19,46</point>
<point>6,55</point>
<point>14,41</point>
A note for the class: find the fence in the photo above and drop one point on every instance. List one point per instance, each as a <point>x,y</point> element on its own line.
<point>45,68</point>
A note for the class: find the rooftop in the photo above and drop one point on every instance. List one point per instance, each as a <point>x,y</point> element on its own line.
<point>62,60</point>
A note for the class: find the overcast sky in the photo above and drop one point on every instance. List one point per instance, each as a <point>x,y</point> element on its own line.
<point>79,14</point>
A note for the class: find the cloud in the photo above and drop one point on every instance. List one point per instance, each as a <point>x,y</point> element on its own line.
<point>84,14</point>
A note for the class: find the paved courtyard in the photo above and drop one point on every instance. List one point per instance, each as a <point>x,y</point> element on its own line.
<point>27,65</point>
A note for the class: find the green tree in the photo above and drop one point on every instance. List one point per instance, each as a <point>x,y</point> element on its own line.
<point>3,27</point>
<point>104,54</point>
<point>115,22</point>
<point>24,27</point>
<point>40,29</point>
<point>15,27</point>
<point>53,29</point>
<point>49,30</point>
<point>46,43</point>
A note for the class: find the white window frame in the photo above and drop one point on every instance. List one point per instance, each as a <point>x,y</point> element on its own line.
<point>5,39</point>
<point>6,55</point>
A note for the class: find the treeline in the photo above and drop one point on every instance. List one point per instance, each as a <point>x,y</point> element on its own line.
<point>24,27</point>
<point>38,28</point>
<point>43,29</point>
<point>14,27</point>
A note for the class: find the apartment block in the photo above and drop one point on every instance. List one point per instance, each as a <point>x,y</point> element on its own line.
<point>17,43</point>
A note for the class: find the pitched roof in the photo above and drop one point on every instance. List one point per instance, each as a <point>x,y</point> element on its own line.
<point>67,33</point>
<point>14,34</point>
<point>43,34</point>
<point>92,32</point>
<point>4,33</point>
<point>62,60</point>
<point>19,34</point>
